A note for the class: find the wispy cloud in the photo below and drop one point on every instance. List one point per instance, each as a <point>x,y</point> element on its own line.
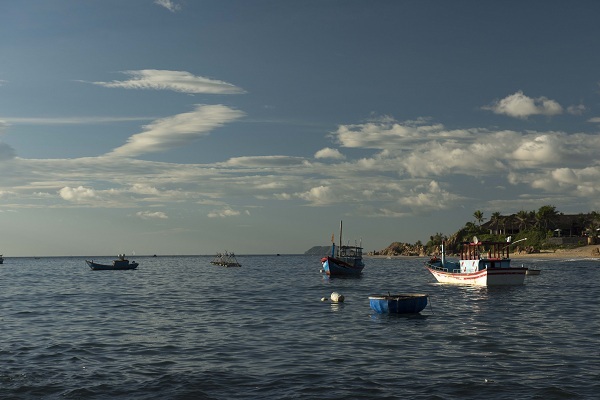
<point>69,120</point>
<point>224,213</point>
<point>168,4</point>
<point>178,130</point>
<point>151,215</point>
<point>178,81</point>
<point>518,105</point>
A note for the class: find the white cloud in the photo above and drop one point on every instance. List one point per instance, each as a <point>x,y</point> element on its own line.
<point>178,130</point>
<point>151,215</point>
<point>542,149</point>
<point>320,195</point>
<point>329,153</point>
<point>178,81</point>
<point>78,194</point>
<point>518,105</point>
<point>168,4</point>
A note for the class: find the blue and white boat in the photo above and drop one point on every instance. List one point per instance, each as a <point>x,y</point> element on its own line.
<point>409,303</point>
<point>484,263</point>
<point>345,260</point>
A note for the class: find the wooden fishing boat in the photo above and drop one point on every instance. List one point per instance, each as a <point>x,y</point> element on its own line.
<point>344,260</point>
<point>226,260</point>
<point>409,303</point>
<point>481,263</point>
<point>119,264</point>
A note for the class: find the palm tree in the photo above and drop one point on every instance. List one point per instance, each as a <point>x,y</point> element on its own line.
<point>522,216</point>
<point>495,220</point>
<point>478,217</point>
<point>545,215</point>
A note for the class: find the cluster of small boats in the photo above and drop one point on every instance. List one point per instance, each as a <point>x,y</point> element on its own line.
<point>480,263</point>
<point>226,259</point>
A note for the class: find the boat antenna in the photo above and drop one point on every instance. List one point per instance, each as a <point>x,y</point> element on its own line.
<point>516,241</point>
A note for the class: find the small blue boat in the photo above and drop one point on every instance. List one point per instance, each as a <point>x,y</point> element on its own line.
<point>410,303</point>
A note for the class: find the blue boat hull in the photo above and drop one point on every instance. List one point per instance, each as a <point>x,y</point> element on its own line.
<point>337,267</point>
<point>398,303</point>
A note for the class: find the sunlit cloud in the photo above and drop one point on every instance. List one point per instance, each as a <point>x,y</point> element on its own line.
<point>178,130</point>
<point>78,194</point>
<point>518,105</point>
<point>168,4</point>
<point>178,81</point>
<point>329,153</point>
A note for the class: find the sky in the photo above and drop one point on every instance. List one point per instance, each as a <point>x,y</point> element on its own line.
<point>182,127</point>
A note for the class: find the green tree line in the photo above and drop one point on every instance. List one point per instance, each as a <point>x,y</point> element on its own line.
<point>533,225</point>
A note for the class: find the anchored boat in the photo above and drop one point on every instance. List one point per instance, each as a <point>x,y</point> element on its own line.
<point>481,263</point>
<point>344,260</point>
<point>119,264</point>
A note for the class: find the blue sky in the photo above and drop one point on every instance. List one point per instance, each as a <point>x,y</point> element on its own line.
<point>191,127</point>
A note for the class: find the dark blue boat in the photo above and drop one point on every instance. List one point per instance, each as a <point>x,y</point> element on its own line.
<point>411,303</point>
<point>343,261</point>
<point>120,264</point>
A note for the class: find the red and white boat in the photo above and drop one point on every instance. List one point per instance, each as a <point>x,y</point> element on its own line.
<point>481,264</point>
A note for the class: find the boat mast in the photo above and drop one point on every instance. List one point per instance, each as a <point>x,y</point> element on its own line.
<point>340,236</point>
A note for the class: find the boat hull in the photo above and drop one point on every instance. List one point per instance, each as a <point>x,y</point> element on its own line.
<point>398,303</point>
<point>484,277</point>
<point>105,267</point>
<point>342,267</point>
<point>226,264</point>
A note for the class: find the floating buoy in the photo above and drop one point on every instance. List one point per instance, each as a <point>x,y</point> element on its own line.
<point>337,298</point>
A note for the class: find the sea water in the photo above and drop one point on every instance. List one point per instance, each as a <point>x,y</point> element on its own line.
<point>181,328</point>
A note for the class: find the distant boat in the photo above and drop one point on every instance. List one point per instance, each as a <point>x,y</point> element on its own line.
<point>531,271</point>
<point>410,303</point>
<point>119,264</point>
<point>481,264</point>
<point>1,259</point>
<point>226,260</point>
<point>344,260</point>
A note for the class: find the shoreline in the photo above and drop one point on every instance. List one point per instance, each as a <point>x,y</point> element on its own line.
<point>587,251</point>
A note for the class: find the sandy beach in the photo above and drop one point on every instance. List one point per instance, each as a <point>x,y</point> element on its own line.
<point>589,251</point>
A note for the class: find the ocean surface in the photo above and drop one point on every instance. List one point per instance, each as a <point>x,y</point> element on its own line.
<point>181,328</point>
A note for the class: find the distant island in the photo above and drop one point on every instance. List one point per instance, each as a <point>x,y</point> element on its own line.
<point>318,251</point>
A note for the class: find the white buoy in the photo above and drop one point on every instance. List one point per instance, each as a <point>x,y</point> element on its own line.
<point>323,298</point>
<point>337,298</point>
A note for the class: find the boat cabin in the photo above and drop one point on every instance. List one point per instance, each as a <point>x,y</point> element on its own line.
<point>476,256</point>
<point>350,251</point>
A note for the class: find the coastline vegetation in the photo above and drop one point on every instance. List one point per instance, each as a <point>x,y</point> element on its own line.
<point>545,229</point>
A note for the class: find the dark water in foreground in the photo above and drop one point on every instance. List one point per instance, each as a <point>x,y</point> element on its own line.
<point>180,328</point>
